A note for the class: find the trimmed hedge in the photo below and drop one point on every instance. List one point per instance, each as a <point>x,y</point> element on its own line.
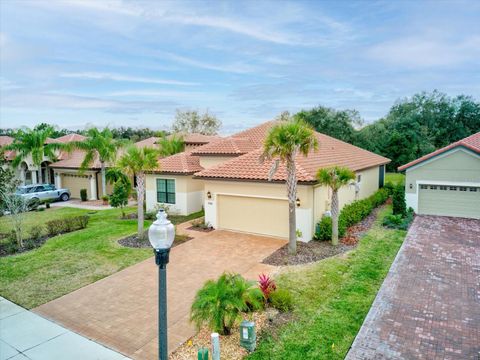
<point>61,226</point>
<point>350,215</point>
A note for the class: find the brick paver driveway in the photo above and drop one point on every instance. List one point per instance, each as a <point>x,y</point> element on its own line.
<point>120,311</point>
<point>429,305</point>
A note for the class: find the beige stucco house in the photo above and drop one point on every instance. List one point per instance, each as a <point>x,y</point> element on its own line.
<point>447,181</point>
<point>233,186</point>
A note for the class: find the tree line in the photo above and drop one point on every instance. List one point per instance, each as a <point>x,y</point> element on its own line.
<point>413,127</point>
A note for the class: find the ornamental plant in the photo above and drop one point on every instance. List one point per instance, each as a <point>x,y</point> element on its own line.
<point>266,285</point>
<point>218,304</point>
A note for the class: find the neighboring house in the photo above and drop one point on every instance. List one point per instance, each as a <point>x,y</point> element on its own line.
<point>447,181</point>
<point>239,197</point>
<point>68,175</point>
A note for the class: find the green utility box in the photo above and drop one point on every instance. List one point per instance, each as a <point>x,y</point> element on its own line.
<point>202,354</point>
<point>248,338</point>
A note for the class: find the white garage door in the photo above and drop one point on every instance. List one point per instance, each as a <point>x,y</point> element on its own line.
<point>253,215</point>
<point>459,201</point>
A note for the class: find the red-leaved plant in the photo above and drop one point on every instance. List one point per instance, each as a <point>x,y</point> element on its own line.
<point>267,285</point>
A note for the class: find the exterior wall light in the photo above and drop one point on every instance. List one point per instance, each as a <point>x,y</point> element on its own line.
<point>209,195</point>
<point>411,186</point>
<point>298,202</point>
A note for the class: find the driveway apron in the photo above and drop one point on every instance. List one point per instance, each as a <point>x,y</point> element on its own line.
<point>120,311</point>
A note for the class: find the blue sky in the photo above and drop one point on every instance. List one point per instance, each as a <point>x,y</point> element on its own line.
<point>115,63</point>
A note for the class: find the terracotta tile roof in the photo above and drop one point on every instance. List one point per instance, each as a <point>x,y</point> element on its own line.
<point>74,160</point>
<point>330,152</point>
<point>150,142</point>
<point>240,143</point>
<point>181,163</point>
<point>70,137</point>
<point>196,138</point>
<point>471,142</point>
<point>4,141</point>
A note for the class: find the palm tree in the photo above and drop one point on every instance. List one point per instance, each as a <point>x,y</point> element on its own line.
<point>335,177</point>
<point>283,143</point>
<point>136,161</point>
<point>170,146</point>
<point>101,144</point>
<point>34,143</point>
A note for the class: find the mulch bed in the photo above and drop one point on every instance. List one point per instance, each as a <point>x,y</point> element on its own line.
<point>133,241</point>
<point>317,250</point>
<point>10,247</point>
<point>196,228</point>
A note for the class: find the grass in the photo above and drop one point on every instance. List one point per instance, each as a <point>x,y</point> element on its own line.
<point>332,298</point>
<point>395,178</point>
<point>69,261</point>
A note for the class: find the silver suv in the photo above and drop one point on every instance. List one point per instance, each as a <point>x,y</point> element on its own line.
<point>42,192</point>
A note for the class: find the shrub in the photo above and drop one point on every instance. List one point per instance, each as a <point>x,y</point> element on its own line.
<point>218,304</point>
<point>398,221</point>
<point>266,285</point>
<point>83,194</point>
<point>399,205</point>
<point>389,188</point>
<point>105,197</point>
<point>60,226</point>
<point>350,215</point>
<point>282,300</point>
<point>119,197</point>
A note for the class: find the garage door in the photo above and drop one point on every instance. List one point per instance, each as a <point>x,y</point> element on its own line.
<point>253,215</point>
<point>74,183</point>
<point>442,200</point>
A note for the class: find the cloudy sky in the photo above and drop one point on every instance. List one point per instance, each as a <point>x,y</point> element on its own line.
<point>133,63</point>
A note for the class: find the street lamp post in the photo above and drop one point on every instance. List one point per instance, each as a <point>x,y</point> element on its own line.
<point>161,235</point>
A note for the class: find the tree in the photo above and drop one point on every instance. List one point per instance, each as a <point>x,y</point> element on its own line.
<point>335,177</point>
<point>98,143</point>
<point>340,124</point>
<point>283,143</point>
<point>8,182</point>
<point>34,143</point>
<point>135,162</point>
<point>191,121</point>
<point>115,174</point>
<point>17,206</point>
<point>170,146</point>
<point>119,196</point>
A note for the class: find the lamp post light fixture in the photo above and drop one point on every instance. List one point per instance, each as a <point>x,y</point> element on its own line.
<point>161,235</point>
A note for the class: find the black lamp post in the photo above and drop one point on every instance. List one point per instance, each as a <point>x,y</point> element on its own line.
<point>161,235</point>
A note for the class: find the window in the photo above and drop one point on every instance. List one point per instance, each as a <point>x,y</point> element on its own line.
<point>443,188</point>
<point>462,188</point>
<point>49,187</point>
<point>166,191</point>
<point>473,189</point>
<point>433,187</point>
<point>423,187</point>
<point>454,188</point>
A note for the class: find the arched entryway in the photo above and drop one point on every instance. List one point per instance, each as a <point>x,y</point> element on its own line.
<point>25,174</point>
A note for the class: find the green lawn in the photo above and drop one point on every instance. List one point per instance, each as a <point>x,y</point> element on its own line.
<point>69,261</point>
<point>395,178</point>
<point>332,298</point>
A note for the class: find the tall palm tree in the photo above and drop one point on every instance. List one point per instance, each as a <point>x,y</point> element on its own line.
<point>98,143</point>
<point>34,143</point>
<point>283,143</point>
<point>170,146</point>
<point>335,177</point>
<point>136,161</point>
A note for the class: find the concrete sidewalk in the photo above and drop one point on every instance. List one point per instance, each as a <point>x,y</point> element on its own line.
<point>25,335</point>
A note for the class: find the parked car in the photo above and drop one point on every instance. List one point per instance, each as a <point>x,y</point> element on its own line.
<point>41,192</point>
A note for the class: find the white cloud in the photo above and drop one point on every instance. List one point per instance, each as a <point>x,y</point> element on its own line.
<point>119,77</point>
<point>238,67</point>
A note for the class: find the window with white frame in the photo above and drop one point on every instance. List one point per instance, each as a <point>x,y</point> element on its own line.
<point>166,191</point>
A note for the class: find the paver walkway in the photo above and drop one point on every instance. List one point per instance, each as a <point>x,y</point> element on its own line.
<point>120,311</point>
<point>429,304</point>
<point>25,335</point>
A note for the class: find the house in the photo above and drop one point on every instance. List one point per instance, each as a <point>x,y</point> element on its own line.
<point>447,181</point>
<point>239,197</point>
